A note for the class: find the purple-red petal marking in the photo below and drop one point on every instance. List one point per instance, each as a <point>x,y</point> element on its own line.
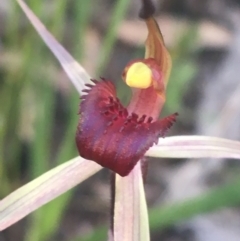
<point>109,135</point>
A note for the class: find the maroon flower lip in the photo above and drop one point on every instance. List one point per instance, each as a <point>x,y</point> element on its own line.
<point>109,135</point>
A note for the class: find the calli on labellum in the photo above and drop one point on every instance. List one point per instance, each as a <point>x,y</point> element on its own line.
<point>117,137</point>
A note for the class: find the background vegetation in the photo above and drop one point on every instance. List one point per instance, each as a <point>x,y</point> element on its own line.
<point>38,111</point>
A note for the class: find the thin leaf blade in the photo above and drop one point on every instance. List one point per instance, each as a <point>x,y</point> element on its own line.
<point>195,147</point>
<point>44,189</point>
<point>73,69</point>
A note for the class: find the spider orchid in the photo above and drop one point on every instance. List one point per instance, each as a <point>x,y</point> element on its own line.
<point>116,137</point>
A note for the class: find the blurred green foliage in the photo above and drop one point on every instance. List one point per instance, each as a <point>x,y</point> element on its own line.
<point>169,214</point>
<point>29,124</point>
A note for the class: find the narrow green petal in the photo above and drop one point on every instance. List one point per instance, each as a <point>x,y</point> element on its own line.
<point>130,212</point>
<point>43,189</point>
<point>195,147</point>
<point>73,69</point>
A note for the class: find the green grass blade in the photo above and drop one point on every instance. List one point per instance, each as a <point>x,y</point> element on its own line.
<point>216,199</point>
<point>118,14</point>
<point>82,13</point>
<point>54,210</point>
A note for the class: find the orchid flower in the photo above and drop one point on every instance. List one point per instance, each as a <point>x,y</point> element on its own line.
<point>116,137</point>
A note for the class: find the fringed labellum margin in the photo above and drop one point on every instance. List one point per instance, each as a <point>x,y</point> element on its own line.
<point>109,135</point>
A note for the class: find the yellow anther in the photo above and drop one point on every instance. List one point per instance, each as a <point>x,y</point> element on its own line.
<point>139,75</point>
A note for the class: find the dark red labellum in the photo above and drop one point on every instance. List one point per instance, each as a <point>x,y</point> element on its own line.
<point>109,135</point>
